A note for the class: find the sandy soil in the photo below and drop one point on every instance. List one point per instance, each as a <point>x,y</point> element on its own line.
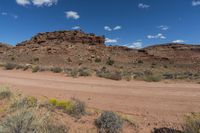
<point>151,104</point>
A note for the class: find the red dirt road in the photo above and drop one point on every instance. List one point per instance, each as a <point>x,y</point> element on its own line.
<point>152,104</point>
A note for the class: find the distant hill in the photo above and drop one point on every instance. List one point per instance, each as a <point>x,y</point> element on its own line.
<point>78,49</point>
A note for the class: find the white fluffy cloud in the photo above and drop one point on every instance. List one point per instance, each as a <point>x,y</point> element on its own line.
<point>117,27</point>
<point>158,36</point>
<point>108,28</point>
<point>72,15</point>
<point>137,45</point>
<point>143,6</point>
<point>108,40</point>
<point>76,27</point>
<point>23,2</point>
<point>178,41</point>
<point>196,3</point>
<point>163,27</point>
<point>37,2</point>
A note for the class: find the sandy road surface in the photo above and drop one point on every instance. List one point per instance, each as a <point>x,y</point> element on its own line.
<point>153,103</point>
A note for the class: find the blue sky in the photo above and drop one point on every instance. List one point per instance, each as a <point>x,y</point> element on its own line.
<point>135,23</point>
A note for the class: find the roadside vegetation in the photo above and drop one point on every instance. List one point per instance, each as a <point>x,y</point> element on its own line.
<point>23,114</point>
<point>149,75</point>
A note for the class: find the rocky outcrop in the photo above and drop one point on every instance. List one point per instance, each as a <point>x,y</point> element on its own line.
<point>65,37</point>
<point>4,47</point>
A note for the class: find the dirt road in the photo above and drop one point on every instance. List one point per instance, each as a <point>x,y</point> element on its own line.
<point>150,103</point>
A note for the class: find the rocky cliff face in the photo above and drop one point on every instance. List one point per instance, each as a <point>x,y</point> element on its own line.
<point>65,37</point>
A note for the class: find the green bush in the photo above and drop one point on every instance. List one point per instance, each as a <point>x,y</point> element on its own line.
<point>10,66</point>
<point>56,69</point>
<point>5,93</point>
<point>84,72</point>
<point>35,69</point>
<point>109,122</point>
<point>152,78</point>
<point>192,123</point>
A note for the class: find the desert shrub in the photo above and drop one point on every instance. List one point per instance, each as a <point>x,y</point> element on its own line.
<point>20,122</point>
<point>127,75</point>
<point>25,121</point>
<point>109,122</point>
<point>72,72</point>
<point>102,73</point>
<point>168,76</point>
<point>148,72</point>
<point>138,75</point>
<point>5,93</point>
<point>152,78</point>
<point>97,60</point>
<point>10,66</point>
<point>35,69</point>
<point>192,123</point>
<point>165,130</point>
<point>109,75</point>
<point>110,62</point>
<point>56,69</point>
<point>65,105</point>
<point>23,67</point>
<point>115,76</point>
<point>84,72</point>
<point>23,102</point>
<point>74,107</point>
<point>78,108</point>
<point>53,101</point>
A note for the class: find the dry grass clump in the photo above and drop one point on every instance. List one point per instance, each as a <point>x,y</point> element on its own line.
<point>192,123</point>
<point>23,102</point>
<point>30,120</point>
<point>5,93</point>
<point>109,122</point>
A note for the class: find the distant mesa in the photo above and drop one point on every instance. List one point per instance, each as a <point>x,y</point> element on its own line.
<point>65,37</point>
